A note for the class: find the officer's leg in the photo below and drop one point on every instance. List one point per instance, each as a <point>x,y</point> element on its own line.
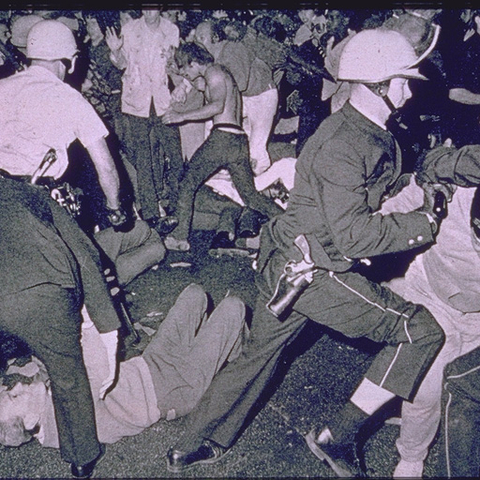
<point>460,445</point>
<point>47,318</point>
<point>358,308</point>
<point>233,392</point>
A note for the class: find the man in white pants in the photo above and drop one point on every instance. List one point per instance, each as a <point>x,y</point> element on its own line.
<point>446,280</point>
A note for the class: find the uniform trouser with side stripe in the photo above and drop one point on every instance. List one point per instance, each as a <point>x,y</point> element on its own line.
<point>346,302</point>
<point>460,443</point>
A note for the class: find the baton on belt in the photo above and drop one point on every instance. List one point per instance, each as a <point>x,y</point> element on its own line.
<point>48,160</point>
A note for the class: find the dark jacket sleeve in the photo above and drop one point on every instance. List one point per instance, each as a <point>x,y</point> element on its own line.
<point>449,165</point>
<point>357,231</point>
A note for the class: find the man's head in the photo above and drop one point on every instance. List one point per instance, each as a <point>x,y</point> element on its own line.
<point>21,409</point>
<point>204,34</point>
<point>20,28</point>
<point>192,59</point>
<point>52,41</point>
<point>97,21</point>
<point>152,16</point>
<point>383,61</point>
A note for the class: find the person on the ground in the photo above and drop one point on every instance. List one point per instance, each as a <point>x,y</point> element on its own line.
<point>132,252</point>
<point>41,112</point>
<point>165,382</point>
<point>331,223</point>
<point>226,146</point>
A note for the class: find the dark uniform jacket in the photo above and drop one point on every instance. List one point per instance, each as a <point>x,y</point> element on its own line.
<point>41,244</point>
<point>345,171</point>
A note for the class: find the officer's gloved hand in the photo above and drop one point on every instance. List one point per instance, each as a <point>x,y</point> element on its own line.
<point>117,217</point>
<point>435,203</point>
<point>434,165</point>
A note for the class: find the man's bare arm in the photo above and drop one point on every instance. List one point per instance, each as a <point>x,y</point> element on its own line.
<point>106,171</point>
<point>217,88</point>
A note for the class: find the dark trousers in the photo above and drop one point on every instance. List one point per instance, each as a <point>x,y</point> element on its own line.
<point>47,318</point>
<point>459,440</point>
<point>346,302</point>
<point>215,212</point>
<point>220,150</point>
<point>155,152</point>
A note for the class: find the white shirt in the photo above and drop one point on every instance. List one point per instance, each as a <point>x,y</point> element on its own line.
<point>145,53</point>
<point>38,112</point>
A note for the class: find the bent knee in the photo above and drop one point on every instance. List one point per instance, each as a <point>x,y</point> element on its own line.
<point>193,292</point>
<point>425,328</point>
<point>234,306</point>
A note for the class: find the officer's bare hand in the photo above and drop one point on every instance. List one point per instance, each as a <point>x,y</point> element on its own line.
<point>172,117</point>
<point>114,42</point>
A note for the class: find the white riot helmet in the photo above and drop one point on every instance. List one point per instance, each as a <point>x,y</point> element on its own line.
<point>378,55</point>
<point>20,28</point>
<point>51,40</point>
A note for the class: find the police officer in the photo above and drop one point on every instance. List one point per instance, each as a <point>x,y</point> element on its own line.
<point>49,269</point>
<point>40,112</point>
<point>346,169</point>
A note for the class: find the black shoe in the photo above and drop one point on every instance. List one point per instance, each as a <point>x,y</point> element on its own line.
<point>166,225</point>
<point>208,453</point>
<point>85,471</point>
<point>341,458</point>
<point>152,222</point>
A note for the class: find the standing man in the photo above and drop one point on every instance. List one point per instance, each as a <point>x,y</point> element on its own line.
<point>254,80</point>
<point>226,146</point>
<point>332,222</point>
<point>143,51</point>
<point>40,112</point>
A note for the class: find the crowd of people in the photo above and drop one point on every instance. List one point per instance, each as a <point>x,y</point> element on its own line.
<point>334,141</point>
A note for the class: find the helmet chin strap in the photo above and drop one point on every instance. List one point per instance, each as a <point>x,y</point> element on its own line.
<point>381,90</point>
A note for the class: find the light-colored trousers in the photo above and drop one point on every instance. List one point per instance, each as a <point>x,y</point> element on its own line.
<point>420,419</point>
<point>258,115</point>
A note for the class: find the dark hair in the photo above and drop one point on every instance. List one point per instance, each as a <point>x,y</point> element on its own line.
<point>189,52</point>
<point>217,28</point>
<point>270,27</point>
<point>105,18</point>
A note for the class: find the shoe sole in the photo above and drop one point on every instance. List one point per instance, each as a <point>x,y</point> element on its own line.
<point>320,454</point>
<point>208,461</point>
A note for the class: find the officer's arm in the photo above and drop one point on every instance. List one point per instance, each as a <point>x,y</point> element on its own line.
<point>449,165</point>
<point>357,230</point>
<point>106,171</point>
